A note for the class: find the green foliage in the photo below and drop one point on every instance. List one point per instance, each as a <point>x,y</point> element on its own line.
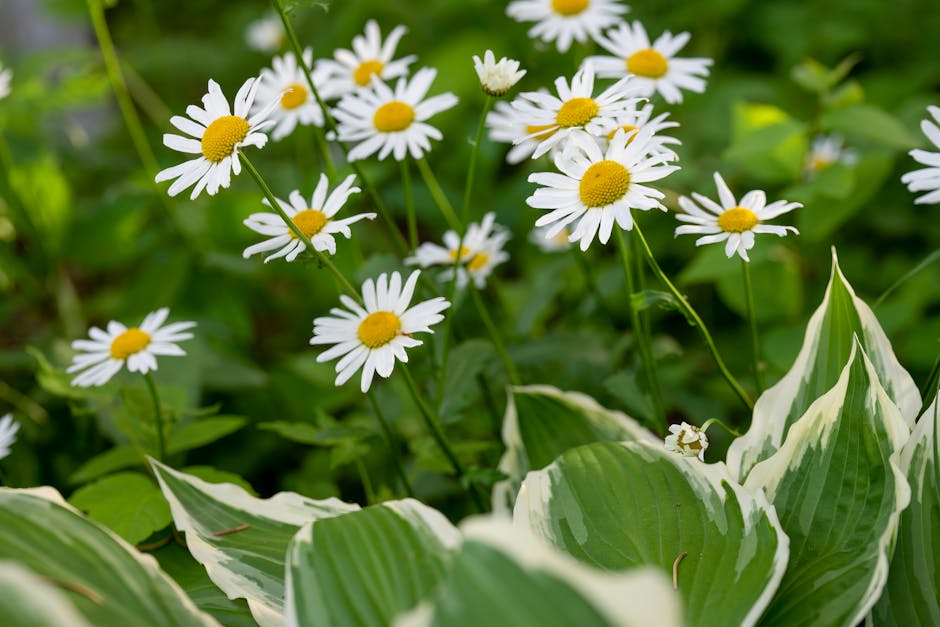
<point>128,503</point>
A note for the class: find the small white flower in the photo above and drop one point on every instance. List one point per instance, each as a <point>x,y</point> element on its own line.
<point>315,220</point>
<point>392,122</point>
<point>107,351</point>
<point>927,179</point>
<point>286,83</point>
<point>687,440</point>
<point>825,151</point>
<point>265,34</point>
<point>562,21</point>
<point>509,126</point>
<point>597,188</point>
<point>353,69</point>
<point>480,252</point>
<point>6,76</point>
<point>654,65</point>
<point>556,243</point>
<point>636,119</point>
<point>732,222</point>
<point>497,78</point>
<point>8,429</point>
<point>218,136</point>
<point>374,336</point>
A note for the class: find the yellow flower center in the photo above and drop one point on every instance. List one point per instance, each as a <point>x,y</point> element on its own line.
<point>819,163</point>
<point>648,63</point>
<point>379,328</point>
<point>479,260</point>
<point>363,74</point>
<point>220,138</point>
<point>576,112</point>
<point>569,7</point>
<point>295,97</point>
<point>737,220</point>
<point>393,116</point>
<point>130,342</point>
<point>310,222</point>
<point>463,253</point>
<point>603,183</point>
<point>628,131</point>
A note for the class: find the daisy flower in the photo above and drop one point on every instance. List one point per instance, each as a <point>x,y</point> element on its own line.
<point>732,222</point>
<point>575,109</point>
<point>927,179</point>
<point>687,440</point>
<point>556,243</point>
<point>218,136</point>
<point>6,75</point>
<point>314,219</point>
<point>8,429</point>
<point>507,125</point>
<point>634,119</point>
<point>480,252</point>
<point>497,78</point>
<point>562,21</point>
<point>826,150</point>
<point>392,122</point>
<point>597,188</point>
<point>265,34</point>
<point>654,65</point>
<point>353,69</point>
<point>286,84</point>
<point>374,336</point>
<point>107,351</point>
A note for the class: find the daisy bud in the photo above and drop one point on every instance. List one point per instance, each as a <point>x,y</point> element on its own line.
<point>687,440</point>
<point>497,77</point>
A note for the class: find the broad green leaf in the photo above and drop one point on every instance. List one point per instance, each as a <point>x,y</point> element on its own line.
<point>622,505</point>
<point>827,344</point>
<point>869,122</point>
<point>203,431</point>
<point>542,422</point>
<point>366,567</point>
<point>504,575</point>
<point>110,582</point>
<point>912,595</point>
<point>244,561</point>
<point>839,493</point>
<point>117,458</point>
<point>767,142</point>
<point>128,503</point>
<point>26,600</point>
<point>464,363</point>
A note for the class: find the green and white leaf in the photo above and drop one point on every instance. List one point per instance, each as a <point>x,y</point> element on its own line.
<point>26,600</point>
<point>542,422</point>
<point>839,491</point>
<point>620,506</point>
<point>248,563</point>
<point>504,575</point>
<point>826,347</point>
<point>107,580</point>
<point>366,567</point>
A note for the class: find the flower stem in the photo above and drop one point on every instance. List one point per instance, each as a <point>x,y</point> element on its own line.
<point>690,313</point>
<point>494,335</point>
<point>472,166</point>
<point>366,482</point>
<point>752,322</point>
<point>158,416</point>
<point>711,421</point>
<point>639,330</point>
<point>447,210</point>
<point>409,203</point>
<point>390,440</point>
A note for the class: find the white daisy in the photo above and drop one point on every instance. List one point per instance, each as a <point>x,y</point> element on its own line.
<point>353,69</point>
<point>732,222</point>
<point>687,440</point>
<point>107,351</point>
<point>218,136</point>
<point>497,77</point>
<point>562,21</point>
<point>8,429</point>
<point>654,65</point>
<point>374,336</point>
<point>927,179</point>
<point>555,243</point>
<point>597,188</point>
<point>392,122</point>
<point>575,109</point>
<point>265,34</point>
<point>287,84</point>
<point>6,76</point>
<point>825,151</point>
<point>509,126</point>
<point>480,252</point>
<point>635,119</point>
<point>315,220</point>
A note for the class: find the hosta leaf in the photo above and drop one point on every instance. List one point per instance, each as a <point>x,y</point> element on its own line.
<point>244,561</point>
<point>108,581</point>
<point>366,567</point>
<point>503,575</point>
<point>26,600</point>
<point>542,422</point>
<point>829,339</point>
<point>622,505</point>
<point>839,493</point>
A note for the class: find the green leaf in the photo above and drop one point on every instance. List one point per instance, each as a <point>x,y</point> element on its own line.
<point>45,191</point>
<point>464,363</point>
<point>622,505</point>
<point>542,422</point>
<point>366,567</point>
<point>333,434</point>
<point>113,583</point>
<point>766,142</point>
<point>117,458</point>
<point>202,432</point>
<point>865,121</point>
<point>839,492</point>
<point>244,561</point>
<point>26,600</point>
<point>827,344</point>
<point>128,503</point>
<point>214,475</point>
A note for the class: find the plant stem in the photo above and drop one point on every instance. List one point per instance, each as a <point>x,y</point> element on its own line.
<point>494,335</point>
<point>639,330</point>
<point>693,315</point>
<point>447,210</point>
<point>366,482</point>
<point>390,440</point>
<point>472,167</point>
<point>158,416</point>
<point>409,204</point>
<point>752,322</point>
<point>712,421</point>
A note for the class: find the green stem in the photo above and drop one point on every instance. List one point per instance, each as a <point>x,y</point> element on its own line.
<point>472,167</point>
<point>390,440</point>
<point>691,314</point>
<point>366,482</point>
<point>158,416</point>
<point>639,330</point>
<point>752,322</point>
<point>409,204</point>
<point>712,421</point>
<point>447,210</point>
<point>494,335</point>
